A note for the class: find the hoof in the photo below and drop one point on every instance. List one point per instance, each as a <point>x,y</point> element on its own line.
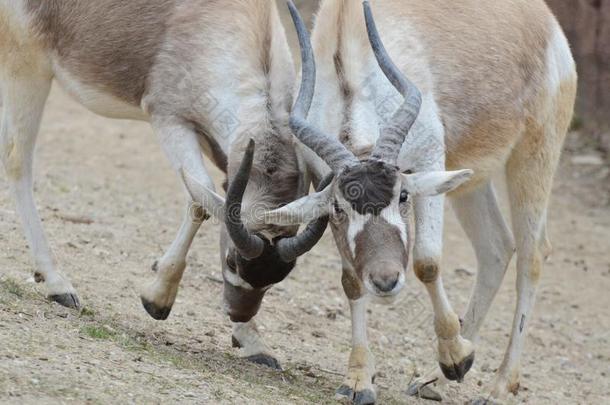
<point>235,343</point>
<point>160,314</point>
<point>265,360</point>
<point>67,300</point>
<point>364,397</point>
<point>423,391</point>
<point>457,372</point>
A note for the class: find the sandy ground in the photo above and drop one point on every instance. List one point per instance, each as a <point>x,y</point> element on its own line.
<point>113,172</point>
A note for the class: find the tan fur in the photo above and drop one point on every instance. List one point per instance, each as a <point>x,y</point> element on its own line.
<point>498,85</point>
<point>179,59</point>
<point>117,55</point>
<point>361,369</point>
<point>209,75</point>
<point>484,84</point>
<point>426,272</point>
<point>352,285</point>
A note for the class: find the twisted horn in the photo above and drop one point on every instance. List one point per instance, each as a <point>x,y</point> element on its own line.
<point>291,248</point>
<point>328,148</point>
<point>394,133</point>
<point>249,246</point>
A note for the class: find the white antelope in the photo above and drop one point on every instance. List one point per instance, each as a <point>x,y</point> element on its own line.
<point>493,88</point>
<point>186,67</point>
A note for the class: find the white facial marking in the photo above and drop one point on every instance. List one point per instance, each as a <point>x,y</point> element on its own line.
<point>356,225</point>
<point>391,214</point>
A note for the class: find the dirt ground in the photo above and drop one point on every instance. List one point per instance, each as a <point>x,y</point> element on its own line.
<point>113,173</point>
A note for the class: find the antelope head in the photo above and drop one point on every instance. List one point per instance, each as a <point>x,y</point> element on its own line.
<point>368,201</point>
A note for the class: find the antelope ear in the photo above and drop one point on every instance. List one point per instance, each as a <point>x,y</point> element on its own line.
<point>435,183</point>
<point>303,210</point>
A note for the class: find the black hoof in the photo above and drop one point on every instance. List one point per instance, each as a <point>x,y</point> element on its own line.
<point>235,343</point>
<point>265,360</point>
<point>67,300</point>
<point>423,391</point>
<point>160,314</point>
<point>458,371</point>
<point>364,397</point>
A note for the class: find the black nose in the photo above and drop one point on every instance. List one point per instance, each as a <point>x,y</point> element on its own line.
<point>385,284</point>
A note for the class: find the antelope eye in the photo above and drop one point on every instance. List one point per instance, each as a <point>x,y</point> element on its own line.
<point>231,262</point>
<point>336,207</point>
<point>404,196</point>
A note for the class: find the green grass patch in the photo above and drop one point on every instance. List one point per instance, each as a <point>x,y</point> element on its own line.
<point>12,287</point>
<point>98,332</point>
<point>86,311</point>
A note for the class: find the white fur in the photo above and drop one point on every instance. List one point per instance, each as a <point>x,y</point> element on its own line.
<point>23,101</point>
<point>481,219</point>
<point>249,338</point>
<point>358,311</point>
<point>391,214</point>
<point>429,184</point>
<point>27,67</point>
<point>95,100</point>
<point>559,60</point>
<point>163,289</point>
<point>356,225</point>
<point>302,210</point>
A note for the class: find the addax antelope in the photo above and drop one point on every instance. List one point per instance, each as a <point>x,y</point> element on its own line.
<point>178,65</point>
<point>491,87</point>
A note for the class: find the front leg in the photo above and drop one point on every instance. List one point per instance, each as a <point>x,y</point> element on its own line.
<point>242,302</point>
<point>455,354</point>
<point>159,296</point>
<point>180,144</point>
<point>357,387</point>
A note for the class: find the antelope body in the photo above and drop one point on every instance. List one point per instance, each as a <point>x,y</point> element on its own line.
<point>492,85</point>
<point>209,76</point>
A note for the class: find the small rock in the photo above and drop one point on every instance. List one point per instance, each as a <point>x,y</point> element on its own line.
<point>210,333</point>
<point>318,334</point>
<point>588,160</point>
<point>464,271</point>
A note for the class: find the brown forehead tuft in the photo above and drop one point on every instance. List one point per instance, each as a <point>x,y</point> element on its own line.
<point>369,187</point>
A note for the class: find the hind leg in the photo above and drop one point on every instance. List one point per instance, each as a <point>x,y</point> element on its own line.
<point>530,172</point>
<point>23,98</point>
<point>492,240</point>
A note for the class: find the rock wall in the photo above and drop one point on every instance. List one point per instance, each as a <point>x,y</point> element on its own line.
<point>587,26</point>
